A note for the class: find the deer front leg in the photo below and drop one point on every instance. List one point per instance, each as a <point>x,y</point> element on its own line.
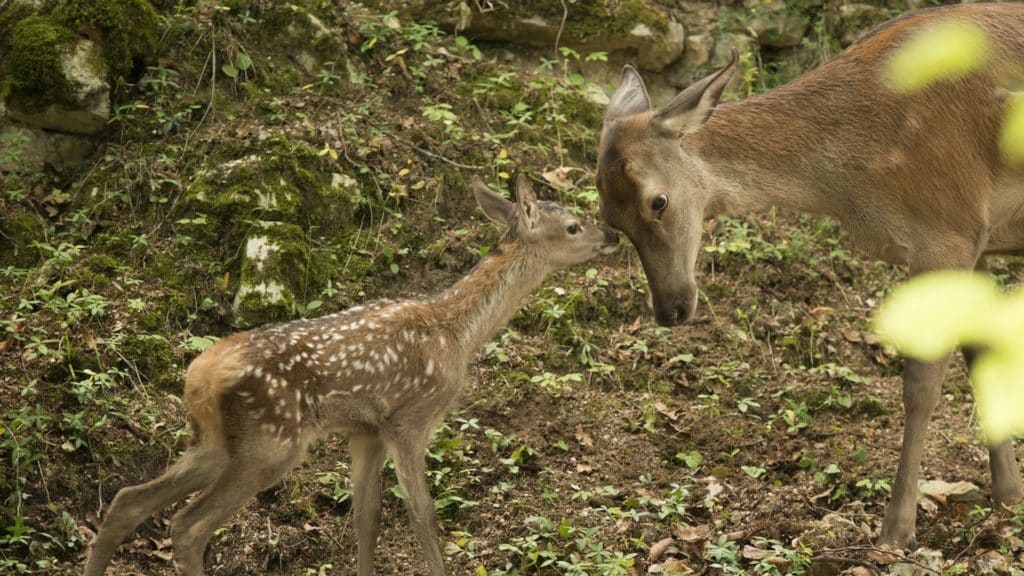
<point>367,459</point>
<point>922,383</point>
<point>412,477</point>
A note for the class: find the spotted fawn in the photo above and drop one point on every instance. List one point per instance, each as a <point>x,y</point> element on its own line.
<point>384,374</point>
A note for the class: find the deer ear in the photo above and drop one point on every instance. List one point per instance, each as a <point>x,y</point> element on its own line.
<point>629,98</point>
<point>526,202</point>
<point>497,208</point>
<point>692,107</point>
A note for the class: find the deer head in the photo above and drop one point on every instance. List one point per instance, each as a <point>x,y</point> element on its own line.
<point>652,189</point>
<point>546,228</point>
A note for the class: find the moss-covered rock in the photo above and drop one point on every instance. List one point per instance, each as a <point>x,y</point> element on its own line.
<point>8,19</point>
<point>280,180</point>
<point>95,271</point>
<point>155,359</point>
<point>279,272</point>
<point>277,265</point>
<point>33,69</point>
<point>19,229</point>
<point>128,30</point>
<point>638,28</point>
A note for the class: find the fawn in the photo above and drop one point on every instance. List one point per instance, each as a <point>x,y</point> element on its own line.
<point>385,374</point>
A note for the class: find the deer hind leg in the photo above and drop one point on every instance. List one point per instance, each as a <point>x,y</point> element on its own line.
<point>256,469</point>
<point>367,459</point>
<point>1002,460</point>
<point>195,470</point>
<point>410,467</point>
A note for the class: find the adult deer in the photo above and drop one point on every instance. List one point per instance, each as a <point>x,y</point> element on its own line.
<point>384,374</point>
<point>914,179</point>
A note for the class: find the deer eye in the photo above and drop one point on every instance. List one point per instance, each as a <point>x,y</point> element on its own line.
<point>658,204</point>
<point>573,229</point>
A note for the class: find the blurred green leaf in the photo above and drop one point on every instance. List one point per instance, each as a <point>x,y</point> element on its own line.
<point>945,51</point>
<point>932,314</point>
<point>999,392</point>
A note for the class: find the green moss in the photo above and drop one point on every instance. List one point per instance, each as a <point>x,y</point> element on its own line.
<point>95,272</point>
<point>287,269</point>
<point>154,357</point>
<point>128,30</point>
<point>8,19</point>
<point>32,74</point>
<point>18,230</point>
<point>282,181</point>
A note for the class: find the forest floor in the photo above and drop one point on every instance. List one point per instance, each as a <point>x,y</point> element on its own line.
<point>762,437</point>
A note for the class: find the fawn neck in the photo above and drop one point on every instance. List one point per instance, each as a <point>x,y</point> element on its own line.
<point>477,306</point>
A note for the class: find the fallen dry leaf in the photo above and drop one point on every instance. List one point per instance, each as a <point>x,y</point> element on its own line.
<point>559,177</point>
<point>941,491</point>
<point>659,548</point>
<point>583,437</point>
<point>666,411</point>
<point>751,552</point>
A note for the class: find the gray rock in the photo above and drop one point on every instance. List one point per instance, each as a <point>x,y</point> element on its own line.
<point>29,150</point>
<point>89,113</point>
<point>779,29</point>
<point>722,54</point>
<point>991,563</point>
<point>926,562</point>
<point>851,20</point>
<point>648,49</point>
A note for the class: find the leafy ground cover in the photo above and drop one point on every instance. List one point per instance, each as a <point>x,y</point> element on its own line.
<point>760,438</point>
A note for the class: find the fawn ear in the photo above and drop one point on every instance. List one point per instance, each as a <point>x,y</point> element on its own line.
<point>692,107</point>
<point>526,202</point>
<point>493,204</point>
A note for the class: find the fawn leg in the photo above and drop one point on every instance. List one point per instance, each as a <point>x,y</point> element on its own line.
<point>411,469</point>
<point>242,479</point>
<point>196,469</point>
<point>922,383</point>
<point>1002,460</point>
<point>367,459</point>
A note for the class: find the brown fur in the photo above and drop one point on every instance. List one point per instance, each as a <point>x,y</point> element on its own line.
<point>214,372</point>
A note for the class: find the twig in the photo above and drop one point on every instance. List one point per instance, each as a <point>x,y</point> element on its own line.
<point>845,560</point>
<point>900,557</point>
<point>561,26</point>
<point>441,158</point>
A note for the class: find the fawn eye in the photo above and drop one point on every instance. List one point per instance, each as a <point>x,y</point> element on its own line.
<point>573,229</point>
<point>658,204</point>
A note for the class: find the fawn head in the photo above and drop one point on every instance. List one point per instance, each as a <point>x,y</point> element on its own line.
<point>559,236</point>
<point>652,189</point>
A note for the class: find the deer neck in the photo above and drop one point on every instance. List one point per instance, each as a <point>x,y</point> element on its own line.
<point>760,153</point>
<point>480,304</point>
